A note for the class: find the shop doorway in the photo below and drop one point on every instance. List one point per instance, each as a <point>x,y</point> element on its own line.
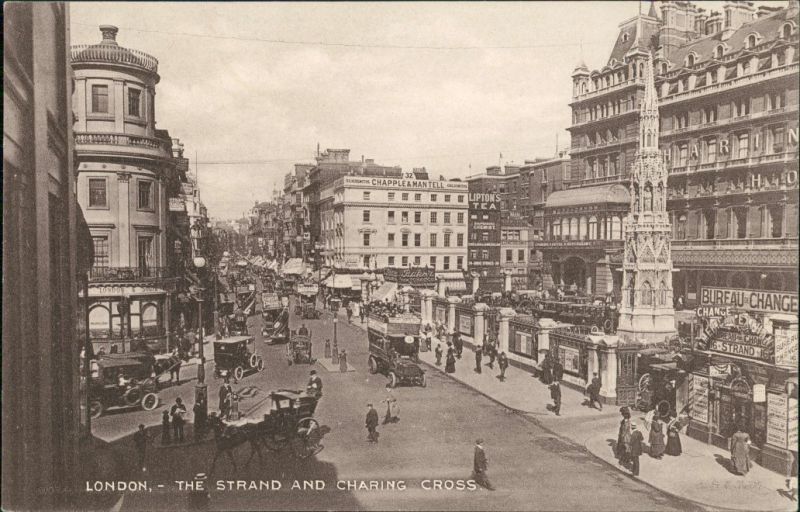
<point>574,272</point>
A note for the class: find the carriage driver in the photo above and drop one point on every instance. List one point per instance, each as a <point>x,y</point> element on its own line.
<point>315,384</point>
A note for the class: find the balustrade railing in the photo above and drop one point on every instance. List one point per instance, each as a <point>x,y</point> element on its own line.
<point>120,139</point>
<point>115,54</point>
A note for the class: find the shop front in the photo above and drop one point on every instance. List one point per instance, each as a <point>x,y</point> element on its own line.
<point>748,380</point>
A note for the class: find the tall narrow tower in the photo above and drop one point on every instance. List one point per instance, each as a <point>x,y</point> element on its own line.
<point>647,313</point>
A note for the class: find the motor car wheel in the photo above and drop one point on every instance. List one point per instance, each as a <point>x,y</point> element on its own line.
<point>260,364</point>
<point>307,438</point>
<point>423,382</point>
<point>253,360</point>
<point>238,373</point>
<point>95,409</point>
<point>393,380</point>
<point>373,365</point>
<point>132,396</point>
<point>150,401</point>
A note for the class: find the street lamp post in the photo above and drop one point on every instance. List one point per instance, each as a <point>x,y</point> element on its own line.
<point>201,390</point>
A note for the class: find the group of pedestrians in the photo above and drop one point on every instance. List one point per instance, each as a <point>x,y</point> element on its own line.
<point>630,441</point>
<point>392,416</point>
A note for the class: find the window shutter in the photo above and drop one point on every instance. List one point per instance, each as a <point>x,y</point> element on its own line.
<point>754,222</point>
<point>791,220</point>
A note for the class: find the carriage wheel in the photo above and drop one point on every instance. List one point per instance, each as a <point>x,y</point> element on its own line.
<point>238,373</point>
<point>260,364</point>
<point>393,380</point>
<point>95,409</point>
<point>150,401</point>
<point>253,360</point>
<point>644,383</point>
<point>373,365</point>
<point>132,396</point>
<point>307,438</point>
<point>607,325</point>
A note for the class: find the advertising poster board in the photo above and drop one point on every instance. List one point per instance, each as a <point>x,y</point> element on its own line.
<point>777,420</point>
<point>699,396</point>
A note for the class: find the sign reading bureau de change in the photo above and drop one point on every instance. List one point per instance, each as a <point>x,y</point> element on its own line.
<point>750,300</point>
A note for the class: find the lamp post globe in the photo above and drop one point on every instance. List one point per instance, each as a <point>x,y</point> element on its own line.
<point>199,262</point>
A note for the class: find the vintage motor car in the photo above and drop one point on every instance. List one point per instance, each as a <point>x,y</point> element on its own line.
<point>397,357</point>
<point>235,355</point>
<point>298,351</point>
<point>138,390</point>
<point>276,326</point>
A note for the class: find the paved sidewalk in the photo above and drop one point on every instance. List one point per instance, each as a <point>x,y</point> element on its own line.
<point>700,474</point>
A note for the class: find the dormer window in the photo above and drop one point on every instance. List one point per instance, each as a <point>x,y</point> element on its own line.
<point>690,60</point>
<point>752,41</point>
<point>625,37</point>
<point>786,30</point>
<point>664,68</point>
<point>719,51</point>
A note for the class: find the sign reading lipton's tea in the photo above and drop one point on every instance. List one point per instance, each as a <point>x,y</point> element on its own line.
<point>750,300</point>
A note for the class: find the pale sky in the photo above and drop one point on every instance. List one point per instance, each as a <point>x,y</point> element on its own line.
<point>232,96</point>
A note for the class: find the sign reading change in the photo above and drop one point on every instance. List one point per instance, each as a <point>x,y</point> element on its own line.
<point>750,300</point>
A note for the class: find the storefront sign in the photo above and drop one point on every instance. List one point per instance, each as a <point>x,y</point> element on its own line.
<point>739,335</point>
<point>785,345</point>
<point>711,311</point>
<point>176,204</point>
<point>405,183</point>
<point>465,325</point>
<point>777,420</point>
<point>485,226</point>
<point>490,201</point>
<point>699,398</point>
<point>414,277</point>
<point>737,349</point>
<point>750,300</point>
<point>307,289</point>
<point>792,424</point>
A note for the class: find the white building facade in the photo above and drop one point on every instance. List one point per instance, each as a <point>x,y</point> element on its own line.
<point>380,222</point>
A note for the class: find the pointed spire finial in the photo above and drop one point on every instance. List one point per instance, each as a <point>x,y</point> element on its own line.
<point>648,116</point>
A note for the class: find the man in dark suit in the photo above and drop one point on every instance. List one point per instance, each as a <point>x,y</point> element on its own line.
<point>594,393</point>
<point>177,412</point>
<point>372,424</point>
<point>479,466</point>
<point>478,357</point>
<point>555,394</point>
<point>636,448</point>
<point>558,370</point>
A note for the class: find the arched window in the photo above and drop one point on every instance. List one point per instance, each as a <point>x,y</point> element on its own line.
<point>719,51</point>
<point>664,68</point>
<point>573,228</point>
<point>648,198</point>
<point>99,322</point>
<point>625,37</point>
<point>150,320</point>
<point>647,294</point>
<point>593,228</point>
<point>641,69</point>
<point>662,293</point>
<point>752,41</point>
<point>582,232</point>
<point>616,228</point>
<point>786,30</point>
<point>690,60</point>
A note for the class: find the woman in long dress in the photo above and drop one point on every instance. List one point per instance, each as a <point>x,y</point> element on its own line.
<point>624,436</point>
<point>674,438</point>
<point>740,451</point>
<point>450,364</point>
<point>656,438</point>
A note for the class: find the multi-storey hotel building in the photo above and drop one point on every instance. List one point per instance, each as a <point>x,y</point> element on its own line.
<point>728,99</point>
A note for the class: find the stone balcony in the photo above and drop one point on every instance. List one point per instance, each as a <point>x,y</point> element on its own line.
<point>113,54</point>
<point>122,143</point>
<point>750,252</point>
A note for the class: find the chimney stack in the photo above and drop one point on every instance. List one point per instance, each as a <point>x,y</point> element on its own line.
<point>109,34</point>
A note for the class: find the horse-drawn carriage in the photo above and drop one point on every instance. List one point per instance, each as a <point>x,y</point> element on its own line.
<point>234,355</point>
<point>123,382</point>
<point>288,424</point>
<point>298,350</point>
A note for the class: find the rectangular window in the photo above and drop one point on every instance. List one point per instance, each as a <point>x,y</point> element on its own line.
<point>521,255</point>
<point>404,239</point>
<point>101,255</point>
<point>405,196</point>
<point>133,102</point>
<point>484,237</point>
<point>446,263</point>
<point>366,196</point>
<point>509,255</point>
<point>145,252</point>
<point>460,198</point>
<point>391,261</point>
<point>391,240</point>
<point>433,218</point>
<point>447,217</point>
<point>365,215</point>
<point>683,154</point>
<point>433,239</point>
<point>366,239</point>
<point>433,198</point>
<point>461,217</point>
<point>390,217</point>
<point>417,197</point>
<point>417,217</point>
<point>391,196</point>
<point>433,261</point>
<point>460,262</point>
<point>744,145</point>
<point>404,217</point>
<point>97,193</point>
<point>485,254</point>
<point>460,240</point>
<point>711,151</point>
<point>145,195</point>
<point>473,254</point>
<point>417,240</point>
<point>417,261</point>
<point>100,99</point>
<point>447,239</point>
<point>404,261</point>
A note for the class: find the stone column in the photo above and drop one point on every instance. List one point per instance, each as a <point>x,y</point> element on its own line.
<point>124,229</point>
<point>80,104</point>
<point>608,379</point>
<point>451,312</point>
<point>588,285</point>
<point>594,362</point>
<point>507,280</point>
<point>427,306</point>
<point>476,281</point>
<point>545,325</point>
<point>506,314</point>
<point>479,325</point>
<point>119,106</point>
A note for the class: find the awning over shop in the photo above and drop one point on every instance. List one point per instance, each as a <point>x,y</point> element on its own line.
<point>294,266</point>
<point>453,281</point>
<point>387,290</point>
<point>339,282</point>
<point>603,194</point>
